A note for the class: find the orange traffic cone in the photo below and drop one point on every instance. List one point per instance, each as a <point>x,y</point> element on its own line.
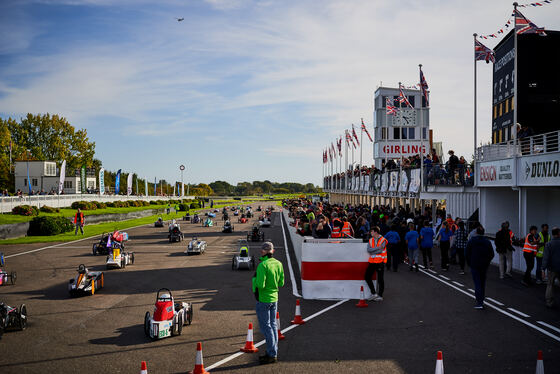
<point>280,336</point>
<point>199,363</point>
<point>143,368</point>
<point>540,364</point>
<point>362,303</point>
<point>249,346</point>
<point>439,363</point>
<point>297,319</point>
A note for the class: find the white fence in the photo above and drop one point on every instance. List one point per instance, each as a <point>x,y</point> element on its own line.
<point>61,201</point>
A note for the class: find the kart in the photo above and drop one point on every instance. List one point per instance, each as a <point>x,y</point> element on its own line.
<point>265,222</point>
<point>259,208</point>
<point>109,241</point>
<point>225,217</point>
<point>159,222</point>
<point>187,217</point>
<point>208,222</point>
<point>4,275</point>
<point>12,317</point>
<point>175,234</point>
<point>195,219</point>
<point>212,215</point>
<point>236,213</point>
<point>119,259</point>
<point>86,282</point>
<point>256,234</point>
<point>228,227</point>
<point>169,316</point>
<point>243,259</point>
<point>196,246</point>
<point>249,214</point>
<point>242,220</point>
<point>216,210</point>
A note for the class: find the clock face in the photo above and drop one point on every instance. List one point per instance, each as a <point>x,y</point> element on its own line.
<point>406,117</point>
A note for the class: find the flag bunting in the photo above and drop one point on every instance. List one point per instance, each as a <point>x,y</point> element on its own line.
<point>510,21</point>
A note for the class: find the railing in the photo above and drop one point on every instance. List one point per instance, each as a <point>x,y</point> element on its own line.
<point>60,201</point>
<point>532,145</point>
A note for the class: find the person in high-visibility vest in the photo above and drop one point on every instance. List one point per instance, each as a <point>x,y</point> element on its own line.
<point>336,227</point>
<point>529,252</point>
<point>79,221</point>
<point>377,250</point>
<point>544,237</point>
<point>347,231</point>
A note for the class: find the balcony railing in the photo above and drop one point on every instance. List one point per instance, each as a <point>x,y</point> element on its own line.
<point>532,145</point>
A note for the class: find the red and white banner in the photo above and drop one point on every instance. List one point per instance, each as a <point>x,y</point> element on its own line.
<point>394,149</point>
<point>333,268</point>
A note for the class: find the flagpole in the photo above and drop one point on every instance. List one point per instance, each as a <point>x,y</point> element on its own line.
<point>361,146</point>
<point>386,128</point>
<point>346,145</point>
<point>400,129</point>
<point>421,131</point>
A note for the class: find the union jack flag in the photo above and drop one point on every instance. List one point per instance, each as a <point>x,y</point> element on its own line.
<point>354,135</point>
<point>349,139</point>
<point>324,157</point>
<point>402,98</point>
<point>524,26</point>
<point>339,146</point>
<point>391,109</point>
<point>365,129</point>
<point>424,87</point>
<point>333,150</point>
<point>483,53</point>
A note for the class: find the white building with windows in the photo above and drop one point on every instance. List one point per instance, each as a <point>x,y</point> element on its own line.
<point>44,176</point>
<point>404,134</point>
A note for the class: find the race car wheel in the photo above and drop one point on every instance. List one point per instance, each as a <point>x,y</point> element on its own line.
<point>123,262</point>
<point>180,323</point>
<point>94,250</point>
<point>147,324</point>
<point>189,315</point>
<point>92,287</point>
<point>22,317</point>
<point>132,258</point>
<point>13,277</point>
<point>233,263</point>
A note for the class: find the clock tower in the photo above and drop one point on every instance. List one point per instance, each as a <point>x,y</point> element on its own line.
<point>403,132</point>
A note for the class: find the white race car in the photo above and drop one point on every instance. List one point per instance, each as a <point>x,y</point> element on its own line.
<point>169,316</point>
<point>86,282</point>
<point>265,222</point>
<point>119,259</point>
<point>243,260</point>
<point>196,246</point>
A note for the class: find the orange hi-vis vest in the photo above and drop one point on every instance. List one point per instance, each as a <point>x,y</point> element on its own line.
<point>380,257</point>
<point>528,247</point>
<point>511,236</point>
<point>335,229</point>
<point>346,230</point>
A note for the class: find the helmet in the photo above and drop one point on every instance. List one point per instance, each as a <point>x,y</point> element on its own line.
<point>164,297</point>
<point>410,220</point>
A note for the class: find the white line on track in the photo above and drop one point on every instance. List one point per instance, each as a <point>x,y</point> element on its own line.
<point>432,271</point>
<point>549,326</point>
<point>235,355</point>
<point>470,289</point>
<point>61,244</point>
<point>444,277</point>
<point>518,312</point>
<point>555,337</point>
<point>458,284</point>
<point>495,301</point>
<point>292,277</point>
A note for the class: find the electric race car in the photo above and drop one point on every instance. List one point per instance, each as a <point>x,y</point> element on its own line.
<point>242,219</point>
<point>4,275</point>
<point>175,234</point>
<point>169,316</point>
<point>195,219</point>
<point>264,222</point>
<point>159,222</point>
<point>243,260</point>
<point>12,318</point>
<point>256,234</point>
<point>208,222</point>
<point>109,241</point>
<point>119,259</point>
<point>86,282</point>
<point>196,246</point>
<point>228,227</point>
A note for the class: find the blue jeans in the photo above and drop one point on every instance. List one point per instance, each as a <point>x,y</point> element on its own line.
<point>479,279</point>
<point>266,314</point>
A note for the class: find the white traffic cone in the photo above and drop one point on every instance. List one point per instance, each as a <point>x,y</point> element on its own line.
<point>439,363</point>
<point>199,363</point>
<point>540,364</point>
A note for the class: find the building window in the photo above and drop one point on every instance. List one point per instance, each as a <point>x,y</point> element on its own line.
<point>50,169</point>
<point>407,133</point>
<point>67,184</point>
<point>25,182</point>
<point>91,184</point>
<point>500,110</point>
<point>512,103</point>
<point>507,106</point>
<point>34,182</point>
<point>424,133</point>
<point>500,136</point>
<point>384,132</point>
<point>495,111</point>
<point>494,137</point>
<point>411,100</point>
<point>396,133</point>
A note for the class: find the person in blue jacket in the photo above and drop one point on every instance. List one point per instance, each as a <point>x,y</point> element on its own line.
<point>426,243</point>
<point>444,235</point>
<point>393,239</point>
<point>412,238</point>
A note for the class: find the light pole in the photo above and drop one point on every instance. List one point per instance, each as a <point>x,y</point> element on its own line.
<point>182,168</point>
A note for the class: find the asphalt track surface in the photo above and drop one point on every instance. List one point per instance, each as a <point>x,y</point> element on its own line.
<point>422,313</point>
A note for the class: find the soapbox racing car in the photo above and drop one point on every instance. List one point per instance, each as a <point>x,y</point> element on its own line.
<point>196,246</point>
<point>169,316</point>
<point>159,222</point>
<point>86,282</point>
<point>195,219</point>
<point>175,234</point>
<point>255,234</point>
<point>208,222</point>
<point>264,222</point>
<point>249,214</point>
<point>243,260</point>
<point>119,259</point>
<point>228,227</point>
<point>236,213</point>
<point>108,241</point>
<point>242,219</point>
<point>12,317</point>
<point>4,275</point>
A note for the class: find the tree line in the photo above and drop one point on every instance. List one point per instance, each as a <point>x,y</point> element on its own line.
<point>52,138</point>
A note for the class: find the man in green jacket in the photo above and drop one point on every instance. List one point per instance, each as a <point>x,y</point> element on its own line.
<point>268,278</point>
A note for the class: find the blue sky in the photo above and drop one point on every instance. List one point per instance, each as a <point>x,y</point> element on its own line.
<point>241,90</point>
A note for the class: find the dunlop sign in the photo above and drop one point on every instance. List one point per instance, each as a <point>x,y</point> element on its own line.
<point>540,170</point>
